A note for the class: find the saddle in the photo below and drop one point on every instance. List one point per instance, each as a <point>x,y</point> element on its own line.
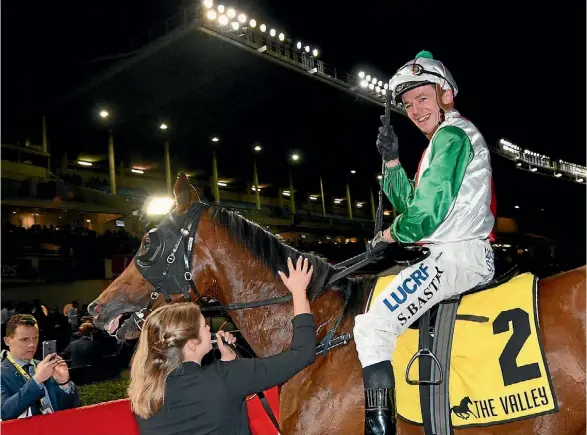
<point>436,327</point>
<point>503,273</point>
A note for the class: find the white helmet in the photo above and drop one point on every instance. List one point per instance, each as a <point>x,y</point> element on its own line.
<point>418,72</point>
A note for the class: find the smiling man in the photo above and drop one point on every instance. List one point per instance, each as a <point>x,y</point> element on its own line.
<point>449,207</point>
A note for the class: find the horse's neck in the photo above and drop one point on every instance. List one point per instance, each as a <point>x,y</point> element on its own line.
<point>268,330</point>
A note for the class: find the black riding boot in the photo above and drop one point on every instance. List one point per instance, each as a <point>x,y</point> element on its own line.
<point>380,413</point>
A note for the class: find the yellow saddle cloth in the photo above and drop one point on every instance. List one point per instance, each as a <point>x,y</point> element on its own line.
<point>498,372</point>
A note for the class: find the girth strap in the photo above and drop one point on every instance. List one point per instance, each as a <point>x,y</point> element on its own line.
<point>424,365</point>
<point>439,394</point>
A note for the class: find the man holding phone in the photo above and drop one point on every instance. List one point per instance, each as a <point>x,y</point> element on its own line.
<point>28,386</point>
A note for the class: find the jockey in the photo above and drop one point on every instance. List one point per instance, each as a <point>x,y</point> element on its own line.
<point>449,208</point>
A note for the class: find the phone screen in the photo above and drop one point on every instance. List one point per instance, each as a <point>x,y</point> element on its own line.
<point>49,347</point>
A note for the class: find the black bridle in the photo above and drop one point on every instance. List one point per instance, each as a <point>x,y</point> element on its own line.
<point>166,258</point>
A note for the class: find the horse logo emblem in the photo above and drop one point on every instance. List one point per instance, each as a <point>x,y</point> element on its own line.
<point>462,410</point>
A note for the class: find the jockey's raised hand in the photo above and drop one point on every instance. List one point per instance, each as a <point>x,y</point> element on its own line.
<point>387,142</point>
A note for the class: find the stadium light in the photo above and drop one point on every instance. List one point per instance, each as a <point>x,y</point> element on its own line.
<point>159,205</point>
<point>253,23</point>
<point>231,13</point>
<point>235,25</point>
<point>83,163</point>
<point>272,32</point>
<point>223,19</point>
<point>163,126</point>
<point>137,171</point>
<point>211,15</point>
<point>263,28</point>
<point>104,114</point>
<point>315,52</point>
<point>281,36</point>
<point>242,18</point>
<point>220,9</point>
<point>208,3</point>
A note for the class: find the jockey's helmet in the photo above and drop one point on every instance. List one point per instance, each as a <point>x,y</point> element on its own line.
<point>423,70</point>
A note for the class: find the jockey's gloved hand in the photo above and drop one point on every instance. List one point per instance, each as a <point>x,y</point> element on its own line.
<point>378,243</point>
<point>387,143</point>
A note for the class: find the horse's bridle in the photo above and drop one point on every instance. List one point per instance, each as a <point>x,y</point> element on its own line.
<point>166,264</point>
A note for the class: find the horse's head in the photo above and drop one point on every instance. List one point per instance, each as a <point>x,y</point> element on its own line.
<point>234,261</point>
<point>131,292</point>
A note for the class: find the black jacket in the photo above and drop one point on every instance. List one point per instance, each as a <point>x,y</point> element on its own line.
<point>82,352</point>
<point>211,400</point>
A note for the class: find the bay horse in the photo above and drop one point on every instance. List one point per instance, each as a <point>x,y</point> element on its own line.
<point>235,261</point>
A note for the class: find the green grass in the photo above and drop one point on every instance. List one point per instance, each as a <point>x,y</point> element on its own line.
<point>105,391</point>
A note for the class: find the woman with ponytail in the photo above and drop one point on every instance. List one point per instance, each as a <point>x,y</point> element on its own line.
<point>171,393</point>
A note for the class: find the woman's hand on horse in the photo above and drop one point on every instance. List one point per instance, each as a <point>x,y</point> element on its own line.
<point>226,353</point>
<point>299,276</point>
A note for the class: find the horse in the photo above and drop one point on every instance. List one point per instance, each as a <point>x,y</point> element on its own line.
<point>235,261</point>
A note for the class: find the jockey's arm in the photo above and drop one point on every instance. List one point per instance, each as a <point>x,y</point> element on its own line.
<point>397,187</point>
<point>431,200</point>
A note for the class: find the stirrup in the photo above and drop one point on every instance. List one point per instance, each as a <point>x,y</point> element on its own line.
<point>424,353</point>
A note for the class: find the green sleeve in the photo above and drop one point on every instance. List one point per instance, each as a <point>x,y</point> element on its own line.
<point>438,187</point>
<point>397,187</point>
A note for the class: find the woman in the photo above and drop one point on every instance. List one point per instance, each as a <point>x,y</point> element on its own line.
<point>171,393</point>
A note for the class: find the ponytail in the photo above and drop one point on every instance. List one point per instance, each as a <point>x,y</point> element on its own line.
<point>160,352</point>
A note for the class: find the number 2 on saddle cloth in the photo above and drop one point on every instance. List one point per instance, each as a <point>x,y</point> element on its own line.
<point>498,371</point>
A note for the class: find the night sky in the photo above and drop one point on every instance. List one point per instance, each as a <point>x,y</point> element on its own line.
<point>520,70</point>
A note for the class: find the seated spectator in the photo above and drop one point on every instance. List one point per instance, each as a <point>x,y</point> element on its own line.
<point>28,386</point>
<point>73,316</point>
<point>84,351</point>
<point>7,312</point>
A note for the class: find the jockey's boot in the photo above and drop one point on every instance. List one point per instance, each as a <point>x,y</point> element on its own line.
<point>380,412</point>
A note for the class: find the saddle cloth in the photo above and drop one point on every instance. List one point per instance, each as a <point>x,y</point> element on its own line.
<point>498,371</point>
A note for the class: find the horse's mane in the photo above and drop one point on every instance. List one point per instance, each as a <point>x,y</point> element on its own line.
<point>274,253</point>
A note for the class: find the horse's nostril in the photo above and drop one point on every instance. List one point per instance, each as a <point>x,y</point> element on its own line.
<point>94,308</point>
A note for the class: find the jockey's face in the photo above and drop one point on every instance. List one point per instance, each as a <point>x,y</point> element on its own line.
<point>422,107</point>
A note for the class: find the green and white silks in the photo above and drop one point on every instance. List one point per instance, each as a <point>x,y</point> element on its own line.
<point>450,198</point>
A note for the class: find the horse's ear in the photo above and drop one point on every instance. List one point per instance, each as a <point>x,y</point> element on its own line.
<point>184,193</point>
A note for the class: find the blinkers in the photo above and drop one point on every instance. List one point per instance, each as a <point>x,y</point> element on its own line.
<point>167,252</point>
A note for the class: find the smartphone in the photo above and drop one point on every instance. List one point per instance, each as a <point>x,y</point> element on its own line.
<point>49,347</point>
